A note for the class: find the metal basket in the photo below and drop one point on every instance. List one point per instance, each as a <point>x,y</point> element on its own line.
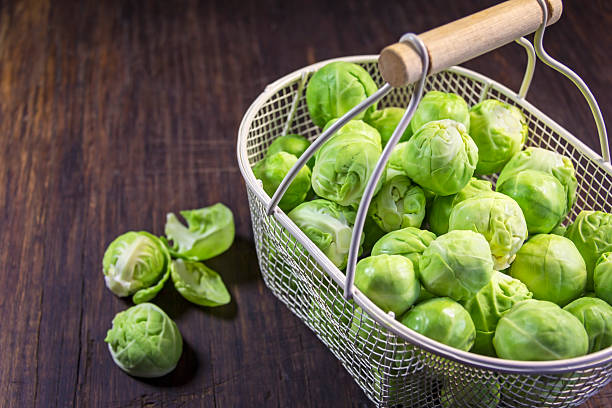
<point>394,365</point>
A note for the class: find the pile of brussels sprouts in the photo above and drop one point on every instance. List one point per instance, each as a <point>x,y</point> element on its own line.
<point>144,341</point>
<point>492,271</point>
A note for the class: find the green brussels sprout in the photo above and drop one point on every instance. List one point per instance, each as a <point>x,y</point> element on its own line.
<point>328,225</point>
<point>443,320</point>
<point>372,233</point>
<point>345,162</point>
<point>475,393</point>
<point>398,204</point>
<point>499,130</point>
<point>385,121</point>
<point>559,230</point>
<point>436,105</point>
<point>441,207</point>
<point>441,157</point>
<point>144,341</point>
<point>210,232</point>
<point>291,143</point>
<point>198,283</point>
<point>335,89</point>
<point>409,242</point>
<point>395,165</point>
<point>273,169</point>
<point>496,216</point>
<point>537,330</point>
<point>389,281</point>
<point>596,317</point>
<point>136,263</point>
<point>552,268</point>
<point>547,161</point>
<point>602,277</point>
<point>457,264</point>
<point>424,294</point>
<point>488,305</point>
<point>591,232</point>
<point>540,196</point>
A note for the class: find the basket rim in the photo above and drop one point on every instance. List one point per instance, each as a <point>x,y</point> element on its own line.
<point>388,321</point>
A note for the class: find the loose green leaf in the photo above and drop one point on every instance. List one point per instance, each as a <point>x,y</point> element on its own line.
<point>198,283</point>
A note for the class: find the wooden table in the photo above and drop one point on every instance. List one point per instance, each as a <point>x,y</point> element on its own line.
<point>115,113</point>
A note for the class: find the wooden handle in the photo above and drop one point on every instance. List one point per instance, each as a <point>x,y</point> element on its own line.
<point>464,39</point>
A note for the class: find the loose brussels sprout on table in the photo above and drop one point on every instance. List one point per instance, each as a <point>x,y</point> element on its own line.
<point>441,157</point>
<point>385,121</point>
<point>144,341</point>
<point>336,88</point>
<point>198,283</point>
<point>398,204</point>
<point>499,130</point>
<point>552,268</point>
<point>537,330</point>
<point>291,143</point>
<point>457,264</point>
<point>436,105</point>
<point>602,277</point>
<point>409,242</point>
<point>596,317</point>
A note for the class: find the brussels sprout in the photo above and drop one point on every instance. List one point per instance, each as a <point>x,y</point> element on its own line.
<point>540,196</point>
<point>389,281</point>
<point>596,317</point>
<point>398,204</point>
<point>273,169</point>
<point>441,157</point>
<point>345,163</point>
<point>443,320</point>
<point>336,88</point>
<point>385,121</point>
<point>328,225</point>
<point>496,216</point>
<point>291,143</point>
<point>198,283</point>
<point>602,277</point>
<point>372,233</point>
<point>591,232</point>
<point>210,232</point>
<point>136,263</point>
<point>552,268</point>
<point>487,306</point>
<point>144,341</point>
<point>424,294</point>
<point>535,158</point>
<point>499,130</point>
<point>395,165</point>
<point>409,242</point>
<point>440,210</point>
<point>477,393</point>
<point>437,105</point>
<point>559,230</point>
<point>537,330</point>
<point>457,264</point>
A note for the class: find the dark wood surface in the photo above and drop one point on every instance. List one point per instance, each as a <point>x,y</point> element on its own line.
<point>114,113</point>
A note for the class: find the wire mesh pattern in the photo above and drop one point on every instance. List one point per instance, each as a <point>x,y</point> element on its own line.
<point>390,370</point>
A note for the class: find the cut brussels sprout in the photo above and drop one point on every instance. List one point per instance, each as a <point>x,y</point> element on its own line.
<point>398,204</point>
<point>210,232</point>
<point>496,216</point>
<point>273,169</point>
<point>409,242</point>
<point>385,121</point>
<point>552,268</point>
<point>537,330</point>
<point>480,393</point>
<point>499,130</point>
<point>136,263</point>
<point>602,277</point>
<point>336,88</point>
<point>436,105</point>
<point>345,162</point>
<point>395,165</point>
<point>591,232</point>
<point>198,283</point>
<point>457,264</point>
<point>291,143</point>
<point>441,157</point>
<point>443,320</point>
<point>389,281</point>
<point>596,317</point>
<point>144,341</point>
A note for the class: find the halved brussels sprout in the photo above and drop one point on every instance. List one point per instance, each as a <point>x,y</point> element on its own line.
<point>389,281</point>
<point>602,277</point>
<point>385,121</point>
<point>409,242</point>
<point>499,130</point>
<point>441,157</point>
<point>443,320</point>
<point>395,165</point>
<point>596,317</point>
<point>552,268</point>
<point>198,283</point>
<point>398,204</point>
<point>537,330</point>
<point>457,264</point>
<point>437,105</point>
<point>496,216</point>
<point>272,169</point>
<point>291,143</point>
<point>336,88</point>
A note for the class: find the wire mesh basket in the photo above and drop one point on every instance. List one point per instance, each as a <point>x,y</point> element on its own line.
<point>392,364</point>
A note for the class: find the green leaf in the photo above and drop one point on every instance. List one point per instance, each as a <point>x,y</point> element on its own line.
<point>198,283</point>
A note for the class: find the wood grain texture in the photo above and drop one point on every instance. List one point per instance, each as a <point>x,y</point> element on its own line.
<point>116,112</point>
